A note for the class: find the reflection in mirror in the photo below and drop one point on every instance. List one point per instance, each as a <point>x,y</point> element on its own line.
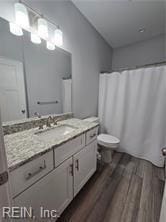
<point>32,78</point>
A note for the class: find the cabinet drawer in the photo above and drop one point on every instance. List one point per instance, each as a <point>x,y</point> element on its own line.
<point>91,135</point>
<point>66,150</point>
<point>29,173</point>
<point>53,192</point>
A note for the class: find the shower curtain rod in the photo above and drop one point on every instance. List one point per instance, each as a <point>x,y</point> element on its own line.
<point>136,67</point>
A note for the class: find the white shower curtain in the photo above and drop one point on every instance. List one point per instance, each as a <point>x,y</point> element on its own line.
<point>132,107</point>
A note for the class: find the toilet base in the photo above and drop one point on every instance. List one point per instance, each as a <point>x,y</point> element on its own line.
<point>106,155</point>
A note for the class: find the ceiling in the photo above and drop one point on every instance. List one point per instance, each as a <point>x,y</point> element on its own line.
<point>119,21</point>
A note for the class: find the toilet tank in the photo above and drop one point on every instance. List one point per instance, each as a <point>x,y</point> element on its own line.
<point>92,119</point>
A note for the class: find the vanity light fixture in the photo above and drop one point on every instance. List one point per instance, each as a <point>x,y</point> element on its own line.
<point>21,15</point>
<point>35,38</point>
<point>42,28</point>
<point>15,29</point>
<point>50,46</point>
<point>58,37</point>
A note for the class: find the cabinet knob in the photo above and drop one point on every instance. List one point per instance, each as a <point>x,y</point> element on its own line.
<point>164,151</point>
<point>23,111</point>
<point>93,135</point>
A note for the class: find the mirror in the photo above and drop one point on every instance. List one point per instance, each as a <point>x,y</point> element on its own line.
<point>32,78</point>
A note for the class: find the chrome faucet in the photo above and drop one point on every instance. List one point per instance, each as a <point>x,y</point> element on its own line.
<point>49,121</point>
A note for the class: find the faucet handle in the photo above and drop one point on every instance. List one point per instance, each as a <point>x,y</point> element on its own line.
<point>37,114</point>
<point>49,121</point>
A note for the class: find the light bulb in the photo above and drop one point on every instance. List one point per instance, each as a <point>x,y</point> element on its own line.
<point>15,29</point>
<point>21,14</point>
<point>50,46</point>
<point>58,37</point>
<point>35,38</point>
<point>42,28</point>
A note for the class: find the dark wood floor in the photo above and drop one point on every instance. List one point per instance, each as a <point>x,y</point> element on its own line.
<point>127,190</point>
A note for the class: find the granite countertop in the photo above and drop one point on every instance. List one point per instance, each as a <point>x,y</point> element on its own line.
<point>25,146</point>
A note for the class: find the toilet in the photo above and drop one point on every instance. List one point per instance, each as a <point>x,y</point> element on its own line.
<point>106,143</point>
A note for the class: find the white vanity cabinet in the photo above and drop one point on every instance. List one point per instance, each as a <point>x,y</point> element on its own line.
<point>72,170</point>
<point>53,192</point>
<point>84,165</point>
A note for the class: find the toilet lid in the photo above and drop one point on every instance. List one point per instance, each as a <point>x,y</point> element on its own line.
<point>107,139</point>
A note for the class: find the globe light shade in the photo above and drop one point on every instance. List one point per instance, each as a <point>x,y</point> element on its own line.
<point>42,28</point>
<point>21,15</point>
<point>15,29</point>
<point>58,37</point>
<point>50,46</point>
<point>35,38</point>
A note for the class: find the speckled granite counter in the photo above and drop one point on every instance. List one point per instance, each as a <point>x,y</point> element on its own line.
<point>24,146</point>
<point>29,123</point>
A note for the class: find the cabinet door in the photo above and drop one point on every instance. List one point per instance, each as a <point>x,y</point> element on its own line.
<point>84,165</point>
<point>53,192</point>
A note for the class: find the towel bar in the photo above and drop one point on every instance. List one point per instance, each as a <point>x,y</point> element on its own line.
<point>47,103</point>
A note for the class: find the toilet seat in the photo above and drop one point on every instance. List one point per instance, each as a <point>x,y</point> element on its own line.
<point>108,141</point>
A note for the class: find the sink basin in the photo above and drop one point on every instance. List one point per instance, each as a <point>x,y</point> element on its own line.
<point>55,133</point>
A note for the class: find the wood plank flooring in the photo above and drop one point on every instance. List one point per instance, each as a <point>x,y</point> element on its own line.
<point>127,190</point>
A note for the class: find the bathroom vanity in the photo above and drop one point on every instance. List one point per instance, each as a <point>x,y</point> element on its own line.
<point>50,172</point>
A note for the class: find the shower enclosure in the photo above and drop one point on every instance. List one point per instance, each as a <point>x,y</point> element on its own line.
<point>132,107</point>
